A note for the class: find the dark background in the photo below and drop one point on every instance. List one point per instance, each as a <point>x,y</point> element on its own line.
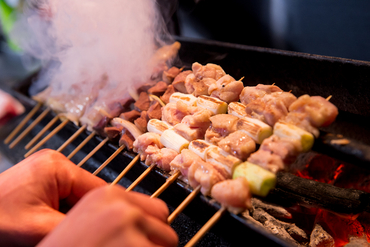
<point>339,28</point>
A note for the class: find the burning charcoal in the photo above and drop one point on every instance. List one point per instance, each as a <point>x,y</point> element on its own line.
<point>274,210</point>
<point>246,214</point>
<point>320,238</point>
<point>169,75</point>
<point>130,116</point>
<point>166,96</point>
<point>155,111</point>
<point>143,103</point>
<point>127,139</point>
<point>158,89</point>
<point>99,128</point>
<point>142,121</point>
<point>279,228</point>
<point>357,241</point>
<point>113,133</point>
<point>179,81</point>
<point>291,189</point>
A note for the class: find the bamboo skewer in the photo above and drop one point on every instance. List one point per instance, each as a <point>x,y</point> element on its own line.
<point>183,205</point>
<point>22,123</point>
<point>46,138</point>
<point>78,148</point>
<point>96,149</point>
<point>168,182</point>
<point>72,138</point>
<point>29,128</point>
<point>211,222</point>
<point>128,167</point>
<point>38,136</point>
<point>141,177</point>
<point>109,159</point>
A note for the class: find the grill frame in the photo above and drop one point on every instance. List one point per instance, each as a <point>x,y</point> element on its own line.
<point>288,70</point>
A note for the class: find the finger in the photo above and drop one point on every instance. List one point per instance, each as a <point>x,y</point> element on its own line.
<point>158,232</point>
<point>71,182</point>
<point>151,206</point>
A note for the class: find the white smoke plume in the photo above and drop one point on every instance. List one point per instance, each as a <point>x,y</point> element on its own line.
<point>81,42</point>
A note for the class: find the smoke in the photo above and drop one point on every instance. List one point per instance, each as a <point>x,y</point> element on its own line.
<point>84,41</point>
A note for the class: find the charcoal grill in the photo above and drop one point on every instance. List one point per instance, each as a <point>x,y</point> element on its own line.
<point>346,80</point>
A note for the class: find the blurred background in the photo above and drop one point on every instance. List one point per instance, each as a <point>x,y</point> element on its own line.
<point>339,28</point>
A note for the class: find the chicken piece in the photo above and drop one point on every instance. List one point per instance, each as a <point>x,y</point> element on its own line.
<point>158,89</point>
<point>198,87</point>
<point>183,161</point>
<point>226,89</point>
<point>286,149</point>
<point>142,121</point>
<point>207,71</point>
<point>250,94</point>
<point>173,113</point>
<point>238,144</point>
<point>166,96</point>
<point>169,75</point>
<point>113,133</point>
<point>155,110</point>
<point>300,120</point>
<point>319,112</point>
<point>161,157</point>
<point>267,160</point>
<point>198,118</point>
<point>179,81</point>
<point>234,194</point>
<point>221,126</point>
<point>126,140</point>
<point>189,133</point>
<point>271,107</point>
<point>143,103</point>
<point>203,174</point>
<point>130,115</point>
<point>144,140</point>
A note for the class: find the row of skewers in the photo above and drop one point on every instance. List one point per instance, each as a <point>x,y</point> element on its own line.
<point>204,127</point>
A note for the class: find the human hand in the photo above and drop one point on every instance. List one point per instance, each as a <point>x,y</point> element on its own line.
<point>110,216</point>
<point>30,195</point>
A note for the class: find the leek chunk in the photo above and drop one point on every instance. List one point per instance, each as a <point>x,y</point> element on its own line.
<point>260,180</point>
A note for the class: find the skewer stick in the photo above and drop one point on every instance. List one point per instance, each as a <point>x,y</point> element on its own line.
<point>48,126</point>
<point>211,222</point>
<point>46,138</point>
<point>72,138</point>
<point>241,78</point>
<point>96,149</point>
<point>78,148</point>
<point>168,182</point>
<point>328,98</point>
<point>128,167</point>
<point>22,123</point>
<point>109,159</point>
<point>183,205</point>
<point>141,177</point>
<point>29,128</point>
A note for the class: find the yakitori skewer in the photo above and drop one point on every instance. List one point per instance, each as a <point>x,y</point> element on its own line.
<point>141,177</point>
<point>29,128</point>
<point>127,168</point>
<point>119,150</point>
<point>183,205</point>
<point>72,138</point>
<point>210,223</point>
<point>82,144</point>
<point>96,149</point>
<point>23,123</point>
<point>46,138</point>
<point>38,136</point>
<point>168,182</point>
